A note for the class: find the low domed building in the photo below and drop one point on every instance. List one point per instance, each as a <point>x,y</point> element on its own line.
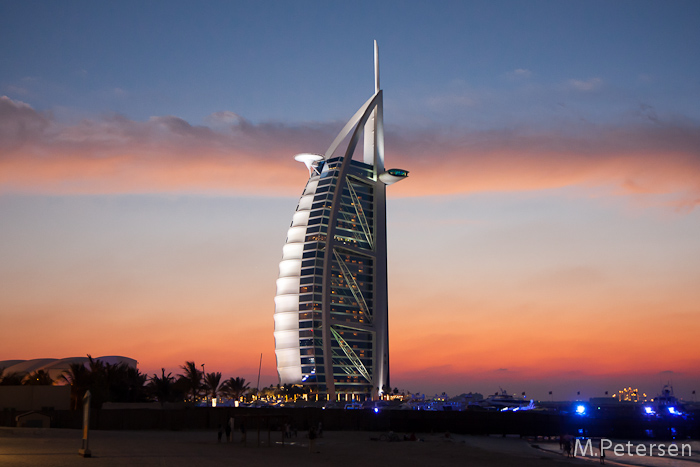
<point>56,366</point>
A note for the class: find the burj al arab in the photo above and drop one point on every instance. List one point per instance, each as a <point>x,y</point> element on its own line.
<point>331,305</point>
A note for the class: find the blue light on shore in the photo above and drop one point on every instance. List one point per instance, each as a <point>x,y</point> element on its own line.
<point>580,409</point>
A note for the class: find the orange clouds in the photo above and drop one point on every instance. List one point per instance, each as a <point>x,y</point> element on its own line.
<point>164,154</point>
<point>658,160</point>
<point>167,154</point>
<point>542,349</point>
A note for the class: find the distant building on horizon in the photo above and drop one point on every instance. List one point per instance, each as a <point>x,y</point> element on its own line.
<point>331,315</point>
<point>55,367</point>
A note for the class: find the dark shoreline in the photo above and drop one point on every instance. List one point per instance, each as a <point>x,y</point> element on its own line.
<point>524,424</point>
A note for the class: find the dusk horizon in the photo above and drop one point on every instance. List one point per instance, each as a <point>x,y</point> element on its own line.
<point>546,239</point>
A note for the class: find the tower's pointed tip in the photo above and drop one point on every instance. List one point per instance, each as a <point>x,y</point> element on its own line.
<point>376,66</point>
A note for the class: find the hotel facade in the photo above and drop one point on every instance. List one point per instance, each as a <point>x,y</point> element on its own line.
<point>331,316</point>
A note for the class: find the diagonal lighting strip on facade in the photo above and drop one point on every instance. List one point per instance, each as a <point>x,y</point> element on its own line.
<point>351,355</point>
<point>360,214</point>
<point>338,361</point>
<point>354,327</point>
<point>346,368</point>
<point>354,288</point>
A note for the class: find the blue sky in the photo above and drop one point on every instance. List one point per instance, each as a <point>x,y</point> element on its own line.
<point>288,61</point>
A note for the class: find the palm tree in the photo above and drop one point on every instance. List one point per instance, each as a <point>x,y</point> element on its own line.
<point>12,379</point>
<point>38,378</point>
<point>136,382</point>
<point>123,383</point>
<point>285,391</point>
<point>162,388</point>
<point>212,383</point>
<point>294,391</point>
<point>192,377</point>
<point>269,392</point>
<point>100,376</point>
<point>235,388</point>
<point>79,379</point>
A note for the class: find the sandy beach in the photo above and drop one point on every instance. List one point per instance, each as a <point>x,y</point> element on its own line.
<point>59,447</point>
<point>53,448</point>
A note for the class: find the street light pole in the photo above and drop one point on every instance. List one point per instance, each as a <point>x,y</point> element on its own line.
<point>205,391</point>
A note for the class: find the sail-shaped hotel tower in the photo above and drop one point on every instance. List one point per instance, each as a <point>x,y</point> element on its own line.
<point>331,317</point>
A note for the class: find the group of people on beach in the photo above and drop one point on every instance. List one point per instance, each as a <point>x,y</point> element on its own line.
<point>567,444</point>
<point>228,429</point>
<point>289,429</point>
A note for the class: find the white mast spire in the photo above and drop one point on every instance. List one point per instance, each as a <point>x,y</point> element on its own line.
<point>376,67</point>
<point>374,128</point>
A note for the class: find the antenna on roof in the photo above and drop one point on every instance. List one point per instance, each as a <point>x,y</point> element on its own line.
<point>376,67</point>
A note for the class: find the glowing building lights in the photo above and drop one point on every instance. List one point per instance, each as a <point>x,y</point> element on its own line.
<point>630,395</point>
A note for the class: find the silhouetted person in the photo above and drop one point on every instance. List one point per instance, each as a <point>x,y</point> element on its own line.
<point>228,432</point>
<point>312,439</point>
<point>221,432</point>
<point>231,425</point>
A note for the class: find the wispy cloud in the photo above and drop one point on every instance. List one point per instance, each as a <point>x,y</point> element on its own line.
<point>519,73</point>
<point>113,154</point>
<point>164,154</point>
<point>18,90</point>
<point>588,85</point>
<point>119,92</point>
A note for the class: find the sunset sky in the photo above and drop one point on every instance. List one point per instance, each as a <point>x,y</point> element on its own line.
<point>547,239</point>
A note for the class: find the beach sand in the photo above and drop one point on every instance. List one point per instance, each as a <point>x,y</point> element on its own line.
<point>59,447</point>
